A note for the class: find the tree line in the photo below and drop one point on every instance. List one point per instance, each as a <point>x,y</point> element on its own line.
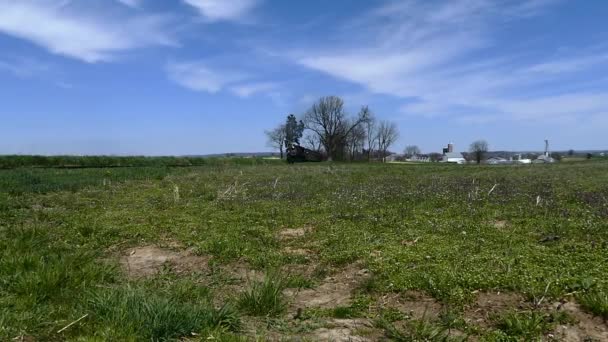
<point>326,127</point>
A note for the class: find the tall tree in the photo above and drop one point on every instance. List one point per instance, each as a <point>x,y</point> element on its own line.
<point>387,134</point>
<point>411,151</point>
<point>328,119</point>
<point>294,130</point>
<point>370,130</point>
<point>276,138</point>
<point>479,148</point>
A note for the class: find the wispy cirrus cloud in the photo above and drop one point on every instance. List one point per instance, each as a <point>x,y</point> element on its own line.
<point>207,76</point>
<point>199,76</point>
<point>570,64</point>
<point>217,10</point>
<point>66,30</point>
<point>130,3</point>
<point>24,67</point>
<point>250,89</point>
<point>437,57</point>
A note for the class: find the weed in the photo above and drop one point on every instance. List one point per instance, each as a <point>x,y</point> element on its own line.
<point>133,312</point>
<point>596,302</point>
<point>264,298</point>
<point>529,325</point>
<point>418,330</point>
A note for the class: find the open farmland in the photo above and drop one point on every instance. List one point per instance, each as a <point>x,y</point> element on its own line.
<point>359,252</point>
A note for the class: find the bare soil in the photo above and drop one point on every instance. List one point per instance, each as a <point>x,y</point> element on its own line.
<point>347,330</point>
<point>415,304</point>
<point>149,260</point>
<point>500,224</point>
<point>291,233</point>
<point>335,290</point>
<point>587,328</point>
<point>490,304</point>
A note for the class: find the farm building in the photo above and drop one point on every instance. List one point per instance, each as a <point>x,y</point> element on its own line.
<point>497,160</point>
<point>394,157</point>
<point>453,157</point>
<point>449,156</point>
<point>420,158</point>
<point>543,158</point>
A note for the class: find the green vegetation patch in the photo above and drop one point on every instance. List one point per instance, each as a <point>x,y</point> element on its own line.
<point>542,233</point>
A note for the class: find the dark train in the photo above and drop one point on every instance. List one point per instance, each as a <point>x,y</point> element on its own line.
<point>299,154</point>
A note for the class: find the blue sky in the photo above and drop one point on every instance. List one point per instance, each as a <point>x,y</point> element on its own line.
<point>209,76</point>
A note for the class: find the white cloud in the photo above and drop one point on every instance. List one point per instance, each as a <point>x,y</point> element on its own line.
<point>428,53</point>
<point>569,64</point>
<point>130,3</point>
<point>24,67</point>
<point>78,34</point>
<point>207,76</point>
<point>249,89</point>
<point>198,76</point>
<point>216,10</point>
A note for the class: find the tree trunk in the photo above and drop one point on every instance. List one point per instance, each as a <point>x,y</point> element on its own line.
<point>281,149</point>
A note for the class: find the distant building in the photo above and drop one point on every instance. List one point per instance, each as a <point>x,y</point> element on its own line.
<point>449,156</point>
<point>497,160</point>
<point>420,158</point>
<point>453,157</point>
<point>543,158</point>
<point>523,161</point>
<point>394,157</point>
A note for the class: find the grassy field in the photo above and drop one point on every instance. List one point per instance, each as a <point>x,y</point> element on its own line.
<point>359,252</point>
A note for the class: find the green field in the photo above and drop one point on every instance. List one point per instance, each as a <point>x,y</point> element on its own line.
<point>268,251</point>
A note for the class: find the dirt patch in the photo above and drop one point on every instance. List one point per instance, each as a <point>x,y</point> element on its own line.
<point>414,304</point>
<point>500,224</point>
<point>409,243</point>
<point>243,272</point>
<point>149,260</point>
<point>352,330</point>
<point>334,291</point>
<point>489,304</point>
<point>292,233</point>
<point>297,251</point>
<point>587,328</point>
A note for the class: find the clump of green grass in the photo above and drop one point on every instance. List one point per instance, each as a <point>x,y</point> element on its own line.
<point>136,313</point>
<point>595,302</point>
<point>299,281</point>
<point>264,298</point>
<point>528,325</point>
<point>418,330</point>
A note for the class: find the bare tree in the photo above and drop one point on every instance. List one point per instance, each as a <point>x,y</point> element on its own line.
<point>411,151</point>
<point>478,149</point>
<point>386,135</point>
<point>276,138</point>
<point>356,141</point>
<point>311,141</point>
<point>435,157</point>
<point>329,121</point>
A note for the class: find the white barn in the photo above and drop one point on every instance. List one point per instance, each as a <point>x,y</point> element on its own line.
<point>453,157</point>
